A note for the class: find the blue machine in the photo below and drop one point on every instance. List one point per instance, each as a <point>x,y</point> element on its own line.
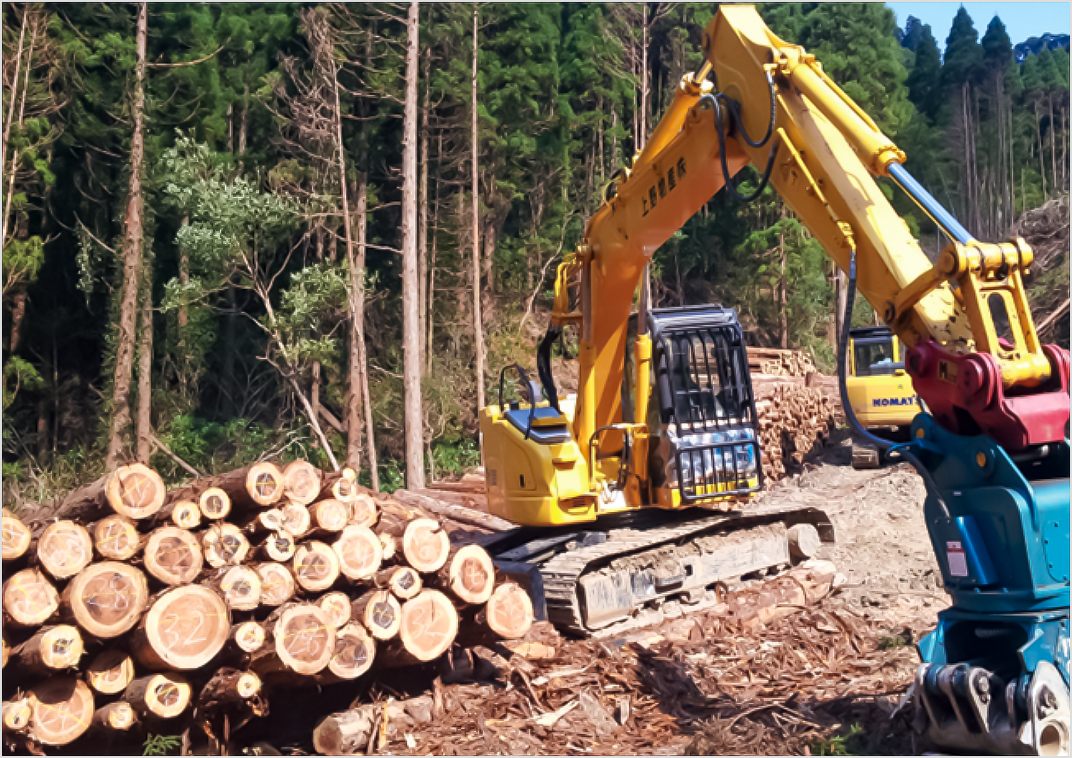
<point>995,675</point>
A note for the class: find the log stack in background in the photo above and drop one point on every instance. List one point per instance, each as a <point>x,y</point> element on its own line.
<point>132,605</point>
<point>797,408</point>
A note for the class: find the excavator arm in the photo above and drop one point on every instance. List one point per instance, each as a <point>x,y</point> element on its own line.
<point>974,354</point>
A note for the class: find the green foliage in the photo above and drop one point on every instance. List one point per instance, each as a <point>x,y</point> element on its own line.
<point>161,744</point>
<point>851,743</point>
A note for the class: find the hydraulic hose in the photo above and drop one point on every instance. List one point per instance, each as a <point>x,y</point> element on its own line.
<point>850,415</point>
<point>716,101</point>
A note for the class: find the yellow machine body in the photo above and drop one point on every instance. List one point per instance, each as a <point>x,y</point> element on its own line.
<point>878,386</point>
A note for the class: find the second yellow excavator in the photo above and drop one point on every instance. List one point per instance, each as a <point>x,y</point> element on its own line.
<point>635,495</point>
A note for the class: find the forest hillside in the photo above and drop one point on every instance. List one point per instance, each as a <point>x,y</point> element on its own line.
<point>227,226</point>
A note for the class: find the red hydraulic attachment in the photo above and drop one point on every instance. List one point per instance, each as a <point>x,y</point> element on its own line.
<point>965,395</point>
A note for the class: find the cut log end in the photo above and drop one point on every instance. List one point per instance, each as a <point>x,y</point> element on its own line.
<point>135,491</point>
<point>429,626</point>
<point>62,711</point>
<point>224,545</point>
<point>106,599</point>
<point>363,510</point>
<point>345,487</point>
<point>164,695</point>
<point>118,716</point>
<point>277,584</point>
<point>184,629</point>
<point>403,581</point>
<point>304,638</point>
<point>315,566</point>
<point>116,538</point>
<point>50,649</point>
<point>173,556</point>
<point>18,714</point>
<point>16,536</point>
<point>264,483</point>
<point>29,599</point>
<point>508,612</point>
<point>469,574</point>
<point>346,733</point>
<point>359,552</point>
<point>301,482</point>
<point>110,672</point>
<point>186,515</point>
<point>425,545</point>
<point>354,652</point>
<point>330,515</point>
<point>337,606</point>
<point>296,519</point>
<point>214,504</point>
<point>249,636</point>
<point>380,612</point>
<point>278,546</point>
<point>239,586</point>
<point>64,549</point>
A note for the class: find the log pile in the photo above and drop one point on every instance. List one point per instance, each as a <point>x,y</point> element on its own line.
<point>794,423</point>
<point>778,362</point>
<point>133,605</point>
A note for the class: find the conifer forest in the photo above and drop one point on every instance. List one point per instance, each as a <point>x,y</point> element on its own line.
<point>319,231</point>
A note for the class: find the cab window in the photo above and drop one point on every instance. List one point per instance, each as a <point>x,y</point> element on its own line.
<point>875,357</point>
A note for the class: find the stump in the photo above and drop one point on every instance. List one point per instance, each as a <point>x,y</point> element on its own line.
<point>116,717</point>
<point>164,695</point>
<point>106,599</point>
<point>239,586</point>
<point>62,710</point>
<point>359,552</point>
<point>348,732</point>
<point>301,482</point>
<point>404,582</point>
<point>184,628</point>
<point>186,515</point>
<point>337,606</point>
<point>29,600</point>
<point>277,583</point>
<point>64,549</point>
<point>116,538</point>
<point>329,516</point>
<point>315,566</point>
<point>354,652</point>
<point>380,612</point>
<point>302,641</point>
<point>469,575</point>
<point>173,556</point>
<point>277,546</point>
<point>16,536</point>
<point>224,545</point>
<point>214,504</point>
<point>428,629</point>
<point>110,672</point>
<point>50,649</point>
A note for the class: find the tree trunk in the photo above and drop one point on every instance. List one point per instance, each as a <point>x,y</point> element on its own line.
<point>145,369</point>
<point>358,354</point>
<point>1053,144</point>
<point>124,361</point>
<point>783,298</point>
<point>183,317</point>
<point>18,312</point>
<point>14,87</point>
<point>642,134</point>
<point>478,325</point>
<point>411,279</point>
<point>1041,152</point>
<point>422,233</point>
<point>430,343</point>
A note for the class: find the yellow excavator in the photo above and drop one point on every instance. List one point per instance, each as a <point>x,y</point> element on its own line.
<point>635,498</point>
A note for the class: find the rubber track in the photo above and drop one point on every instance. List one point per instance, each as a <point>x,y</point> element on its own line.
<point>562,573</point>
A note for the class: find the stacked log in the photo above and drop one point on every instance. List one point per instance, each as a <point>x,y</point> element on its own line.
<point>133,605</point>
<point>794,423</point>
<point>779,362</point>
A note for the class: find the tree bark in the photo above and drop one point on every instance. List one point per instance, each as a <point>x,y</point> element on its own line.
<point>783,298</point>
<point>145,368</point>
<point>478,325</point>
<point>411,282</point>
<point>124,362</point>
<point>422,234</point>
<point>429,344</point>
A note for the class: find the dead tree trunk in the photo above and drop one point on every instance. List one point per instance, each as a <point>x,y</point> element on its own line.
<point>411,289</point>
<point>422,225</point>
<point>358,395</point>
<point>143,428</point>
<point>124,361</point>
<point>478,325</point>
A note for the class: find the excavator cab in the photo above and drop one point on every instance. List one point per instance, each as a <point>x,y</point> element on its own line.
<point>702,422</point>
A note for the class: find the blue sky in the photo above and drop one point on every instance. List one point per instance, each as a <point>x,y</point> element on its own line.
<point>1022,20</point>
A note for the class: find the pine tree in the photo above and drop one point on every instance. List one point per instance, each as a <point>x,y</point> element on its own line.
<point>924,79</point>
